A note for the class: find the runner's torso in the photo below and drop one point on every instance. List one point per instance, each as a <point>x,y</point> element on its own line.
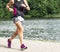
<point>18,10</point>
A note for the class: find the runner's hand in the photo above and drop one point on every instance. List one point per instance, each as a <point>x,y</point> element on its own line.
<point>10,9</point>
<point>27,7</point>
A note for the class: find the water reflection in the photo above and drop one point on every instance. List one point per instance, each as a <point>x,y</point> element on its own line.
<point>34,29</point>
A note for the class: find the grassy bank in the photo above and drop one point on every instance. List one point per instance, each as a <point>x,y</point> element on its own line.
<point>50,16</point>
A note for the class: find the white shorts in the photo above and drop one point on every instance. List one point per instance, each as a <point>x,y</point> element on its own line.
<point>19,18</point>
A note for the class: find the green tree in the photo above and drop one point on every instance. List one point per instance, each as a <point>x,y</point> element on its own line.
<point>39,8</point>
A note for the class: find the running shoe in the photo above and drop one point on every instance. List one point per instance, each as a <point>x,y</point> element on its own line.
<point>9,43</point>
<point>23,46</point>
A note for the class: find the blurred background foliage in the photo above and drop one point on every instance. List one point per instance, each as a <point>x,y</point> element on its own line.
<point>39,9</point>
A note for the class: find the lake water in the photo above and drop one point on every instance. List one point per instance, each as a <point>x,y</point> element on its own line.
<point>39,29</point>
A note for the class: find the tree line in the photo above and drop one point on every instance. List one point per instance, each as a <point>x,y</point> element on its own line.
<point>39,9</point>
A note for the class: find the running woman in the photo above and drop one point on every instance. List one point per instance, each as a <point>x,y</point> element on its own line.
<point>18,15</point>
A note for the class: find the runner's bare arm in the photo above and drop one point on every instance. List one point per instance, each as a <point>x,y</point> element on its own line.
<point>26,4</point>
<point>9,4</point>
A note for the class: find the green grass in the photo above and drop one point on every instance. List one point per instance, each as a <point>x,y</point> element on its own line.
<point>53,16</point>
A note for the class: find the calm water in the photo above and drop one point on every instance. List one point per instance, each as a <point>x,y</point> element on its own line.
<point>42,29</point>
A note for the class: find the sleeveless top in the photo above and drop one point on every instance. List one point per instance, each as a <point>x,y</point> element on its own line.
<point>18,10</point>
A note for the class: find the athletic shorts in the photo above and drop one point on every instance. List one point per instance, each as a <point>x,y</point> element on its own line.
<point>18,18</point>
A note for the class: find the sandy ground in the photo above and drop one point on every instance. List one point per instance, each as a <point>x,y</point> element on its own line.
<point>33,46</point>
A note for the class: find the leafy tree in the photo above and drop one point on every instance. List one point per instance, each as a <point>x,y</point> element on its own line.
<point>39,8</point>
